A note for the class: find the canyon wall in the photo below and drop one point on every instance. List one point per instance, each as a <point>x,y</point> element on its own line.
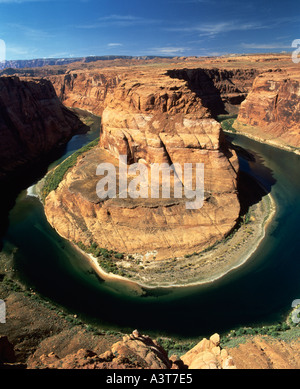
<point>271,111</point>
<point>32,122</point>
<point>150,117</point>
<point>85,89</point>
<point>220,90</point>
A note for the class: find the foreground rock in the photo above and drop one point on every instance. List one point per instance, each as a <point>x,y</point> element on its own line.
<point>208,355</point>
<point>7,355</point>
<point>138,351</point>
<point>266,353</point>
<point>134,351</point>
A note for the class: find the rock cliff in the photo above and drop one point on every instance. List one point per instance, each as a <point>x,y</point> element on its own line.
<point>32,122</point>
<point>150,118</point>
<point>220,90</point>
<point>271,111</point>
<point>85,89</point>
<point>137,351</point>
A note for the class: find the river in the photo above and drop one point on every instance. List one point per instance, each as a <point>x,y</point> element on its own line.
<point>259,292</point>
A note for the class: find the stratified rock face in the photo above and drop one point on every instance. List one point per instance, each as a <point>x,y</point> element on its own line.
<point>272,108</point>
<point>32,122</point>
<point>86,90</point>
<point>150,118</point>
<point>220,90</point>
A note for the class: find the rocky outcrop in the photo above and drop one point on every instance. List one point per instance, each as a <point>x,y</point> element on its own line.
<point>135,351</point>
<point>150,118</point>
<point>208,355</point>
<point>271,111</point>
<point>266,353</point>
<point>33,122</point>
<point>138,351</point>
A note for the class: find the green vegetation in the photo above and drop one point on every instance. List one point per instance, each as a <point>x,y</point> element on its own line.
<point>227,121</point>
<point>227,125</point>
<point>286,330</point>
<point>221,118</point>
<point>55,176</point>
<point>246,219</point>
<point>176,346</point>
<point>107,259</point>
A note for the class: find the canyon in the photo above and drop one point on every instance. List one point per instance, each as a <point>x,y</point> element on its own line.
<point>161,111</point>
<point>152,111</point>
<point>156,114</point>
<point>150,118</point>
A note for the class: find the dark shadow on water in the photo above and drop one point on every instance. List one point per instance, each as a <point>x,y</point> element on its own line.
<point>18,181</point>
<point>255,180</point>
<point>30,173</point>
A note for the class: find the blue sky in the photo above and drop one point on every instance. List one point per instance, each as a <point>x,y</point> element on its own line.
<point>76,28</point>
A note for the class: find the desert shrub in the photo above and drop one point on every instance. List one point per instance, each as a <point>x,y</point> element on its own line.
<point>55,176</point>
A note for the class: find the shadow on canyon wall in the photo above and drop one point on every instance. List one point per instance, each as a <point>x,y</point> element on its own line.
<point>255,180</point>
<point>216,88</point>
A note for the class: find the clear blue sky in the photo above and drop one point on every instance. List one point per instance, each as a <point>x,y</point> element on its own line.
<point>75,28</point>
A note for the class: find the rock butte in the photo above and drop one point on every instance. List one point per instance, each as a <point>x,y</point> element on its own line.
<point>153,111</point>
<point>153,115</point>
<point>272,93</point>
<point>154,118</point>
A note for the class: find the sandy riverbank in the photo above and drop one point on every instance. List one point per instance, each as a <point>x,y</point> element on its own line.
<point>200,268</point>
<point>254,134</point>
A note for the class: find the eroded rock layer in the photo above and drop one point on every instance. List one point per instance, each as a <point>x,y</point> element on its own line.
<point>32,122</point>
<point>271,111</point>
<point>150,118</point>
<point>221,90</point>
